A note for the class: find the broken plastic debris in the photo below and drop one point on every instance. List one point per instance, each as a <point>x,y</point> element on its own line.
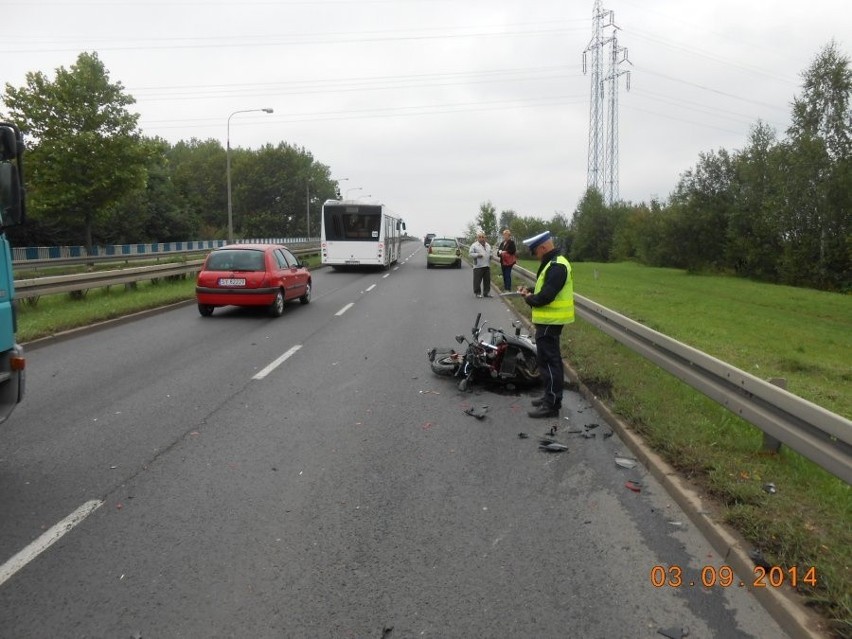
<point>478,412</point>
<point>589,435</point>
<point>591,426</point>
<point>552,446</point>
<point>625,462</point>
<point>674,633</point>
<point>635,486</point>
<point>523,436</point>
<point>770,488</point>
<point>429,392</point>
<point>607,435</point>
<point>677,524</point>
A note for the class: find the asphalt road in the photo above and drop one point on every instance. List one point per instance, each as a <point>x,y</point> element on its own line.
<point>340,493</point>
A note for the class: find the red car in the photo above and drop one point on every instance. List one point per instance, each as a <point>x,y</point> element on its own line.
<point>251,275</point>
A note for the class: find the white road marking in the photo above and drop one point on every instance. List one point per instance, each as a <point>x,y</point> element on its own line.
<point>370,288</point>
<point>386,275</point>
<point>344,309</point>
<point>47,539</point>
<point>277,362</point>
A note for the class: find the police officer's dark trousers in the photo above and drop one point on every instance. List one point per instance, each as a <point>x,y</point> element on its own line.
<point>547,338</point>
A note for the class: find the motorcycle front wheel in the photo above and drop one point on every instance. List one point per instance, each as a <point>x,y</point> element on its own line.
<point>444,363</point>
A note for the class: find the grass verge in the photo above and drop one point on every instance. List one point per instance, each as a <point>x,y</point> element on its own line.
<point>801,335</point>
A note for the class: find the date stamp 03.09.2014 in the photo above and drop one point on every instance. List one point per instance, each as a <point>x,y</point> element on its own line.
<point>674,576</point>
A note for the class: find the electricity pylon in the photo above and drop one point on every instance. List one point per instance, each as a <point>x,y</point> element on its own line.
<point>602,168</point>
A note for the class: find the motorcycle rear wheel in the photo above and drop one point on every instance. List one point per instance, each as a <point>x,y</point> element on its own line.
<point>527,371</point>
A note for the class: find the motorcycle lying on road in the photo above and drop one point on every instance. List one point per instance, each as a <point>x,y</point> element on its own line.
<point>502,358</point>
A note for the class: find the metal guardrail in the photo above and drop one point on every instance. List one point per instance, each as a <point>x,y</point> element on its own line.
<point>38,256</point>
<point>812,431</point>
<point>38,286</point>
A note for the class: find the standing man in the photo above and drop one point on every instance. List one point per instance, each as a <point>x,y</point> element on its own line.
<point>480,252</point>
<point>552,303</point>
<point>507,252</point>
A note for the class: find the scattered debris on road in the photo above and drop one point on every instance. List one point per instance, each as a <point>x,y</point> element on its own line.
<point>551,446</point>
<point>476,411</point>
<point>625,462</point>
<point>633,485</point>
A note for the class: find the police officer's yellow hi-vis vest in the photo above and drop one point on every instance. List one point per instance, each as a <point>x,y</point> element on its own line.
<point>561,309</point>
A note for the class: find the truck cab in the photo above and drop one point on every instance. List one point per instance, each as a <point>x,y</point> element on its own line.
<point>12,213</point>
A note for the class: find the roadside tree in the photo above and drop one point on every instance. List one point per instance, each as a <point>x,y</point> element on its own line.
<point>86,151</point>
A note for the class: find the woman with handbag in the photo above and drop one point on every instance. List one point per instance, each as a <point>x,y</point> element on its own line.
<point>506,251</point>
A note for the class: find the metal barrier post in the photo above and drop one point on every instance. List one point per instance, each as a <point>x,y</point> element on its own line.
<point>770,444</point>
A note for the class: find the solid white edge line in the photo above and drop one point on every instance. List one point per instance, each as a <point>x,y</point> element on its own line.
<point>47,539</point>
<point>271,367</point>
<point>344,309</point>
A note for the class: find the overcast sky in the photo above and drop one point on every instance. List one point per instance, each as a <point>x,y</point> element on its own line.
<point>435,106</point>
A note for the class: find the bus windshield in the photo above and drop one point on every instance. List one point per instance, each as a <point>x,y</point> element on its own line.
<point>352,223</point>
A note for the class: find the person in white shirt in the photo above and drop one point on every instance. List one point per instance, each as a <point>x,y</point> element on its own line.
<point>480,252</point>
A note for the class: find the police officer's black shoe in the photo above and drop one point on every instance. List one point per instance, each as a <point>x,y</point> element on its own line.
<point>544,410</point>
<point>538,401</point>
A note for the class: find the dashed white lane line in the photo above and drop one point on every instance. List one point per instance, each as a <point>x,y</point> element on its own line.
<point>47,539</point>
<point>344,309</point>
<point>263,373</point>
<point>370,288</point>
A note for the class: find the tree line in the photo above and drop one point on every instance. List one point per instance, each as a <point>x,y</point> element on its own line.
<point>93,178</point>
<point>777,210</point>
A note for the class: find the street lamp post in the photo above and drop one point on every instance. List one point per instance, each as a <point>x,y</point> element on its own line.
<point>308,208</point>
<point>354,188</point>
<point>228,169</point>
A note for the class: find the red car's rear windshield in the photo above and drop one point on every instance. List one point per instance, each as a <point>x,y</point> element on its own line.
<point>236,260</point>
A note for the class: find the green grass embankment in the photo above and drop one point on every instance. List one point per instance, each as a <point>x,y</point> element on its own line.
<point>801,335</point>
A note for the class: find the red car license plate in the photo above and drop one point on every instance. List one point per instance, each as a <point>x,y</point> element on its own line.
<point>232,281</point>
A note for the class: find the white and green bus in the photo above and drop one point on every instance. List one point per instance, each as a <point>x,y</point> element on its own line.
<point>359,235</point>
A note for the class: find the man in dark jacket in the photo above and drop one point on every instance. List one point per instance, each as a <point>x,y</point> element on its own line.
<point>552,302</point>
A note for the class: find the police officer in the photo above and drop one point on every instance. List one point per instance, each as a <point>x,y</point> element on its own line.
<point>552,302</point>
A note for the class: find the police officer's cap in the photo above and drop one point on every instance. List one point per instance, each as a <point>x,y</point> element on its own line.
<point>533,242</point>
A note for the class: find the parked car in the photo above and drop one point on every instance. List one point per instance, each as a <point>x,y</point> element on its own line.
<point>252,275</point>
<point>443,251</point>
<point>428,239</point>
